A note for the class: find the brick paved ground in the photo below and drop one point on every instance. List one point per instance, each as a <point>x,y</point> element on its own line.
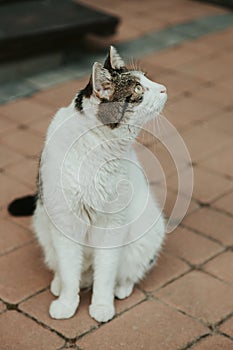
<point>186,302</point>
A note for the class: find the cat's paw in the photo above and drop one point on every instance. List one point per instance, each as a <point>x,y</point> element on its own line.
<point>55,286</point>
<point>123,291</point>
<point>61,310</point>
<point>101,312</point>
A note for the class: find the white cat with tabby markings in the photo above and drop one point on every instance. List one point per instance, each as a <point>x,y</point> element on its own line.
<point>114,103</point>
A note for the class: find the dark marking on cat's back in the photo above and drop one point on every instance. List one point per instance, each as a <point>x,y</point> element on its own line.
<point>86,92</point>
<point>39,183</point>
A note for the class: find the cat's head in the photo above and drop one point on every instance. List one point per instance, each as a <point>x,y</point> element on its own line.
<point>121,95</point>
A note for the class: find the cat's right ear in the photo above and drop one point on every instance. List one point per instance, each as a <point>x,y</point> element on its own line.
<point>114,60</point>
<point>101,82</point>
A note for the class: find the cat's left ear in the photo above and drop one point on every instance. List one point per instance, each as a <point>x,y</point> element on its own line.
<point>114,61</point>
<point>101,82</point>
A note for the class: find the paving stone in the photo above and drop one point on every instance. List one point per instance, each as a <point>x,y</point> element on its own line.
<point>221,162</point>
<point>212,223</point>
<point>61,95</point>
<point>214,342</point>
<point>11,189</point>
<point>24,142</point>
<point>164,159</point>
<point>25,111</point>
<point>208,185</point>
<point>167,269</point>
<point>22,273</point>
<point>167,201</point>
<point>2,307</point>
<point>14,90</point>
<point>198,295</point>
<point>202,141</point>
<point>227,327</point>
<point>217,41</point>
<point>38,307</point>
<point>8,156</point>
<point>5,125</point>
<point>171,200</point>
<point>222,122</point>
<point>25,172</point>
<point>182,114</point>
<point>221,266</point>
<point>225,203</point>
<point>41,126</point>
<point>171,57</point>
<point>13,236</point>
<point>22,221</point>
<point>191,246</point>
<point>210,69</point>
<point>19,332</point>
<point>136,297</point>
<point>178,83</point>
<point>216,93</point>
<point>144,326</point>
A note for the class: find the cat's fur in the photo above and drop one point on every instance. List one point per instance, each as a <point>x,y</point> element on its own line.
<point>112,271</point>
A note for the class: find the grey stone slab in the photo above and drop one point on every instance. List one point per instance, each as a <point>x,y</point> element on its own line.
<point>136,48</point>
<point>14,90</point>
<point>25,67</point>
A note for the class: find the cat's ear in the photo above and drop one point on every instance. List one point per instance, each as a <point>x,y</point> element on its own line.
<point>114,61</point>
<point>101,81</point>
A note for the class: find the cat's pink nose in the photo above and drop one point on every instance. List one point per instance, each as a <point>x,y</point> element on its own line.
<point>163,90</point>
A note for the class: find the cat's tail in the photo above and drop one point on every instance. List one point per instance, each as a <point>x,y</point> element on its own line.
<point>23,206</point>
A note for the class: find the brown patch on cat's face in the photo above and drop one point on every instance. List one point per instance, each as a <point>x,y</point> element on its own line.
<point>112,111</point>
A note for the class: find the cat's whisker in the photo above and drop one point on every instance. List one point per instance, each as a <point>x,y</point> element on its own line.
<point>161,116</point>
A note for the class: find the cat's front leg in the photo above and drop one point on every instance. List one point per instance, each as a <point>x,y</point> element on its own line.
<point>105,270</point>
<point>69,258</point>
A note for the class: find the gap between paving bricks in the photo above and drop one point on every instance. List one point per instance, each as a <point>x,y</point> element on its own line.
<point>194,342</point>
<point>202,234</point>
<point>17,247</point>
<point>73,340</point>
<point>197,267</point>
<point>150,43</point>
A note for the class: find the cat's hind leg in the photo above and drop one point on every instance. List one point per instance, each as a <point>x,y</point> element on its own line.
<point>41,226</point>
<point>123,289</point>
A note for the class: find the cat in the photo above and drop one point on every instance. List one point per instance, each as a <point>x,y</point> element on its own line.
<point>85,242</point>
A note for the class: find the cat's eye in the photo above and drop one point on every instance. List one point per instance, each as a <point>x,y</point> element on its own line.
<point>138,89</point>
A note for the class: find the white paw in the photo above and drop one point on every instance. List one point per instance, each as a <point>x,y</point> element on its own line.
<point>101,313</point>
<point>122,292</point>
<point>60,309</point>
<point>55,286</point>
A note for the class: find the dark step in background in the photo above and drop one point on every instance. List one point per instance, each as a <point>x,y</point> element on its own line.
<point>36,26</point>
<point>224,3</point>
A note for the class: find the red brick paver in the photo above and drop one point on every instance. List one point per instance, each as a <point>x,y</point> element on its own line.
<point>22,274</point>
<point>215,342</point>
<point>221,266</point>
<point>168,268</point>
<point>227,327</point>
<point>212,223</point>
<point>18,331</point>
<point>190,246</point>
<point>198,295</point>
<point>143,327</point>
